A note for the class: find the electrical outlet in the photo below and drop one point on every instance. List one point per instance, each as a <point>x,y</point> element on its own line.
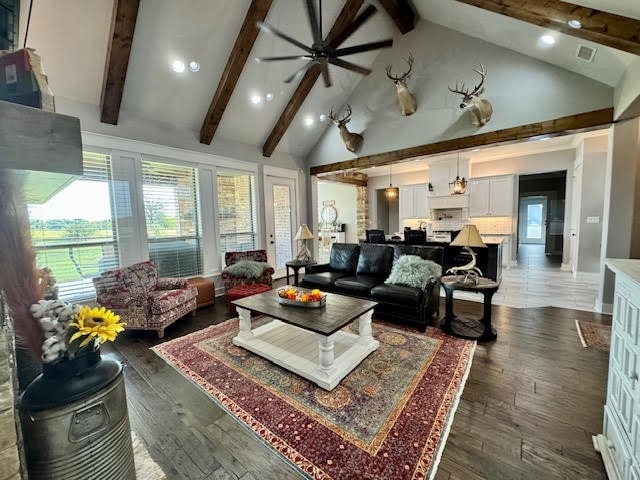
<point>593,219</point>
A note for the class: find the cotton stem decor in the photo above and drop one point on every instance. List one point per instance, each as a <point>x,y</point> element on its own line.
<point>19,280</point>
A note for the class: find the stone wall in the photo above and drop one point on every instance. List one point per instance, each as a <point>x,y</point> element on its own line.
<point>363,211</point>
<point>9,454</point>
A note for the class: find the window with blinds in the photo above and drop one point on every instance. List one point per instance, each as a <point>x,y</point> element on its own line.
<point>73,231</point>
<point>172,216</point>
<point>237,211</point>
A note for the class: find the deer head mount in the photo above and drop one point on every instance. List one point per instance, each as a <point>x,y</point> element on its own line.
<point>353,141</point>
<point>406,101</point>
<point>479,108</point>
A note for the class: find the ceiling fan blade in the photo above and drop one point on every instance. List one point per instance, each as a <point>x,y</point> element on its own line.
<point>349,66</point>
<point>364,47</point>
<point>325,74</point>
<point>268,28</point>
<point>300,71</point>
<point>289,57</point>
<point>353,26</point>
<point>313,20</point>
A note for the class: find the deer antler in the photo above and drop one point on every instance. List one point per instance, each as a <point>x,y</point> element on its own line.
<point>342,120</point>
<point>405,75</point>
<point>462,91</point>
<point>483,73</point>
<point>332,116</point>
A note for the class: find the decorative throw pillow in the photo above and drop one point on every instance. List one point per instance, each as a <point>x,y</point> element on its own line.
<point>247,268</point>
<point>413,271</point>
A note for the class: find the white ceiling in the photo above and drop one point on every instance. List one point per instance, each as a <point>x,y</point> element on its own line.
<point>71,36</point>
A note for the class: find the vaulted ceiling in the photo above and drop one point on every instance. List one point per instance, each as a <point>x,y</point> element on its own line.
<point>73,38</point>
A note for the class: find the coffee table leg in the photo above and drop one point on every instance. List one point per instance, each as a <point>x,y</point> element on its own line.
<point>245,323</point>
<point>365,330</point>
<point>326,351</point>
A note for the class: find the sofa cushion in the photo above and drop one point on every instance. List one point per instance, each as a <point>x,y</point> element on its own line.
<point>358,285</point>
<point>397,294</point>
<point>321,280</point>
<point>344,257</point>
<point>413,271</point>
<point>375,260</point>
<point>162,301</point>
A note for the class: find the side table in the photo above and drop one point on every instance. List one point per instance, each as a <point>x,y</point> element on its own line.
<point>468,328</point>
<point>296,265</point>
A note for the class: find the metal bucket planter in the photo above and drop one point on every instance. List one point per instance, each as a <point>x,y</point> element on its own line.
<point>75,422</point>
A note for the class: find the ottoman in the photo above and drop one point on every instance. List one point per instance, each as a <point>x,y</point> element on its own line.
<point>242,291</point>
<point>206,290</point>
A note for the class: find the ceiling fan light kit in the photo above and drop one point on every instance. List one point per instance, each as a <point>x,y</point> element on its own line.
<point>325,51</point>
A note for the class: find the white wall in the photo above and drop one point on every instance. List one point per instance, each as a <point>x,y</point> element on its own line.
<point>627,93</point>
<point>522,90</point>
<point>345,196</point>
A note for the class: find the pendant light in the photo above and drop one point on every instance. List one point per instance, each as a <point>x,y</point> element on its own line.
<point>458,186</point>
<point>391,193</point>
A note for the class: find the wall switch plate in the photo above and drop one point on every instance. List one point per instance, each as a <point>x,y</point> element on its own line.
<point>593,219</point>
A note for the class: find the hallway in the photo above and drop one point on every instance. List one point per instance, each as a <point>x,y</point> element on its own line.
<point>538,281</point>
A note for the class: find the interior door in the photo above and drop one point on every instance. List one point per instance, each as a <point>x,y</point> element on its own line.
<point>280,216</point>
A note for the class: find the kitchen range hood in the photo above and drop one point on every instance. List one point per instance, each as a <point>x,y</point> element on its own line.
<point>45,148</point>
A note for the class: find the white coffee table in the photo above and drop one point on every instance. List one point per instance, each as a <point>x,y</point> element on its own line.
<point>308,341</point>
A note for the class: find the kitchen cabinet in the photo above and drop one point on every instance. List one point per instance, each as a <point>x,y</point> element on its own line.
<point>491,196</point>
<point>619,443</point>
<point>413,201</point>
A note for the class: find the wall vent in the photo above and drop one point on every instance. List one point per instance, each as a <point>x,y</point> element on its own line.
<point>585,53</point>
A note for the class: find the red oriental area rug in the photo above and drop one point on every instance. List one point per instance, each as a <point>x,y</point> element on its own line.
<point>388,419</point>
<point>594,335</point>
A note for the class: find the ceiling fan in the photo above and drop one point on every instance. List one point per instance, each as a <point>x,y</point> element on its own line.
<point>325,51</point>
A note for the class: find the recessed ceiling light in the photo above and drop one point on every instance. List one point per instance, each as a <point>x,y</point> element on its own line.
<point>194,66</point>
<point>323,118</point>
<point>268,97</point>
<point>178,66</point>
<point>544,139</point>
<point>573,23</point>
<point>308,121</point>
<point>475,150</point>
<point>255,99</point>
<point>547,40</point>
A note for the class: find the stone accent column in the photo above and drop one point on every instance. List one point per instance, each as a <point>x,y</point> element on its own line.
<point>362,212</point>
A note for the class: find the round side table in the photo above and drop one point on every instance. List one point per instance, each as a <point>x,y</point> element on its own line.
<point>296,265</point>
<point>469,328</point>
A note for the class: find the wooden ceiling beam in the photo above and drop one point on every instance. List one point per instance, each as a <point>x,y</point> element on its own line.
<point>558,126</point>
<point>360,181</point>
<point>346,16</point>
<point>401,13</point>
<point>615,31</point>
<point>123,25</point>
<point>238,56</point>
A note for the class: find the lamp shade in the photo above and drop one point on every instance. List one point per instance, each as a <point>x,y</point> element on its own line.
<point>304,233</point>
<point>468,237</point>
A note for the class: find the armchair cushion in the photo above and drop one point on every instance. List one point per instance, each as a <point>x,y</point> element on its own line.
<point>162,301</point>
<point>247,268</point>
<point>171,283</point>
<point>413,271</point>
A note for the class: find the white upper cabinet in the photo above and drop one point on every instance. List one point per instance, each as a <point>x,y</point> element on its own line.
<point>413,201</point>
<point>491,196</point>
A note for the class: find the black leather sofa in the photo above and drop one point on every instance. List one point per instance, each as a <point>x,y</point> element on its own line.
<point>360,271</point>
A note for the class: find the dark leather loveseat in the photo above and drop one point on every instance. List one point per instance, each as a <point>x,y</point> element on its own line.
<point>360,271</point>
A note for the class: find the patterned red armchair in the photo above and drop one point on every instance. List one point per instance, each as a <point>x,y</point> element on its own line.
<point>231,280</point>
<point>144,301</point>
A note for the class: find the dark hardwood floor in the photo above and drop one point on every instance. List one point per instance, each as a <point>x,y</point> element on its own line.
<point>532,401</point>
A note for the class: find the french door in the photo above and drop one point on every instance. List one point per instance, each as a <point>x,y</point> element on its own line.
<point>280,215</point>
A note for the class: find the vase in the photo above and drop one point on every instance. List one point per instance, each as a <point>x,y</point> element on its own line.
<point>75,422</point>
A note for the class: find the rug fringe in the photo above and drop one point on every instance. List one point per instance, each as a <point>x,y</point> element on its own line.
<point>582,341</point>
<point>452,412</point>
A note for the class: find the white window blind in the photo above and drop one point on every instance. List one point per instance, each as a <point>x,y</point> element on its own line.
<point>73,230</point>
<point>237,211</point>
<point>172,216</point>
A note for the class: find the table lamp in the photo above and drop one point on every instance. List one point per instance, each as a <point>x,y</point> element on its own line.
<point>303,235</point>
<point>467,238</point>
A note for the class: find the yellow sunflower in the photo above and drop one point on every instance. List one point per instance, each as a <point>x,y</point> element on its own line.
<point>96,322</point>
